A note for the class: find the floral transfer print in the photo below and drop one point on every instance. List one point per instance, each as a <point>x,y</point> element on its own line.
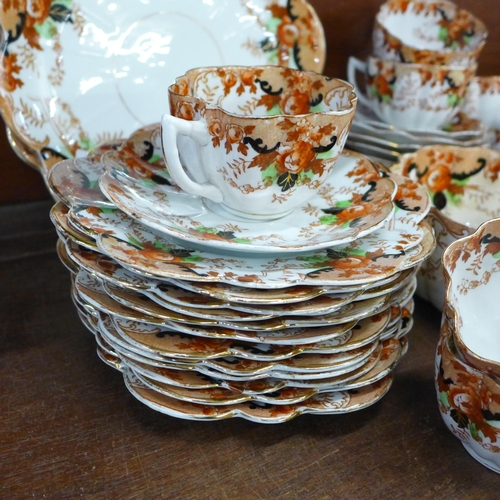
<point>43,35</point>
<point>469,398</point>
<point>386,80</point>
<point>292,34</point>
<point>326,403</point>
<point>457,176</point>
<point>33,20</point>
<point>27,24</point>
<point>305,146</point>
<point>454,27</point>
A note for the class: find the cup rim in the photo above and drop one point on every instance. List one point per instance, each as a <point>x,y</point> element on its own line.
<point>481,29</point>
<point>346,111</point>
<point>484,365</point>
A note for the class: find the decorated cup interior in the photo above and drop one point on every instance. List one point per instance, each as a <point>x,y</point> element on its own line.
<point>262,91</point>
<point>463,182</point>
<point>435,26</point>
<point>472,276</point>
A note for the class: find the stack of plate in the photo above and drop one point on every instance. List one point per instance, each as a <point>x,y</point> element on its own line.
<point>371,136</point>
<point>210,316</point>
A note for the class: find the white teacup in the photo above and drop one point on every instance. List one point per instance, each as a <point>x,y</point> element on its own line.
<point>430,32</point>
<point>411,96</point>
<point>258,140</point>
<point>483,102</point>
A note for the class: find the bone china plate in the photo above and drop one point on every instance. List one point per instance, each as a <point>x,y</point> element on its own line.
<point>334,402</point>
<point>79,73</point>
<point>145,251</point>
<point>353,202</point>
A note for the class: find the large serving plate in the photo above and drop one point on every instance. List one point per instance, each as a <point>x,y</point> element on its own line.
<point>79,73</point>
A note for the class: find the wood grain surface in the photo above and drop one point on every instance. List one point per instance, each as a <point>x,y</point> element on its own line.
<point>347,25</point>
<point>69,428</point>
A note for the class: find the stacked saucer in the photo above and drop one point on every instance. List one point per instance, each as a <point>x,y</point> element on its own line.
<point>211,316</point>
<point>383,141</point>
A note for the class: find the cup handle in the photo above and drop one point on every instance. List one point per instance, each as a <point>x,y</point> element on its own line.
<point>354,65</point>
<point>171,127</point>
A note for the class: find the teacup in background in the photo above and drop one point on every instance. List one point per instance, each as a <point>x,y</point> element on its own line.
<point>427,32</point>
<point>464,186</point>
<point>411,96</point>
<point>265,138</point>
<point>482,102</point>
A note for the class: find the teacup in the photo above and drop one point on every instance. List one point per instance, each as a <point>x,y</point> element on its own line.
<point>411,96</point>
<point>468,401</point>
<point>482,101</point>
<point>464,186</point>
<point>431,32</point>
<point>257,140</point>
<point>472,276</point>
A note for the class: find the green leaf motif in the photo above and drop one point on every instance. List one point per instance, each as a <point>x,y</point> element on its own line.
<point>270,174</point>
<point>443,397</point>
<point>154,159</point>
<point>328,220</point>
<point>443,33</point>
<point>86,143</point>
<point>454,198</point>
<point>473,431</point>
<point>452,100</point>
<point>207,230</point>
<point>274,111</point>
<point>135,242</point>
<point>162,246</point>
<point>193,258</point>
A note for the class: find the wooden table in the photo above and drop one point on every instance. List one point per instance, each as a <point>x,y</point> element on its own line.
<point>70,429</point>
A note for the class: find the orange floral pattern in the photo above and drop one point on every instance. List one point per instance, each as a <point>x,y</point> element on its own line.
<point>461,34</point>
<point>449,172</point>
<point>29,19</point>
<point>471,399</point>
<point>305,150</point>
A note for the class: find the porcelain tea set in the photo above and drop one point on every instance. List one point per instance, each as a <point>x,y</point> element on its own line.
<point>230,257</point>
<point>418,80</point>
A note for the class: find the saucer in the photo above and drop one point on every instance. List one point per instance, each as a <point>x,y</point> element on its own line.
<point>133,306</point>
<point>335,402</point>
<point>93,76</point>
<point>353,202</point>
<point>106,268</point>
<point>159,341</point>
<point>147,252</point>
<point>217,295</point>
